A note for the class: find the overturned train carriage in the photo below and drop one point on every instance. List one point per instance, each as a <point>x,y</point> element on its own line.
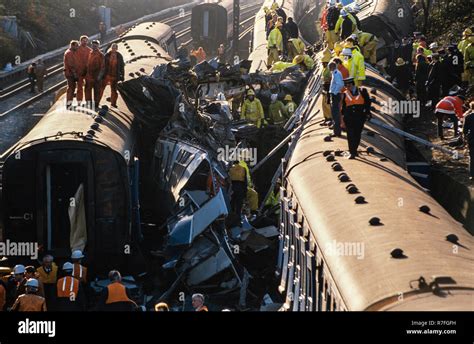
<point>362,234</point>
<point>72,181</point>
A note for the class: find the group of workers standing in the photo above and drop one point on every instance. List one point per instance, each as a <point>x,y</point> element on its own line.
<point>50,288</point>
<point>89,67</point>
<point>284,46</point>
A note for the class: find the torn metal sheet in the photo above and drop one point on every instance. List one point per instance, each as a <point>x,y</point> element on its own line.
<point>190,226</point>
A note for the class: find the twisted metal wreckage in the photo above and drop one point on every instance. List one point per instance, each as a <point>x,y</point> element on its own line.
<point>204,247</point>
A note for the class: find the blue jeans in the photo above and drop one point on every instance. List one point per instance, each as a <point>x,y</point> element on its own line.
<point>336,113</point>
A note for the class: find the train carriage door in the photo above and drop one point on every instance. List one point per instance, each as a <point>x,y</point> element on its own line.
<point>66,189</point>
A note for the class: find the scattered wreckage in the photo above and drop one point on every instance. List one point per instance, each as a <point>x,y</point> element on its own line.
<point>202,246</point>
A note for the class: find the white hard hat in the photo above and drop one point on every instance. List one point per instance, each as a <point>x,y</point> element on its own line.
<point>68,266</point>
<point>434,45</point>
<point>77,254</point>
<point>332,3</point>
<point>344,13</point>
<point>274,97</point>
<point>32,282</point>
<point>346,52</point>
<point>19,269</point>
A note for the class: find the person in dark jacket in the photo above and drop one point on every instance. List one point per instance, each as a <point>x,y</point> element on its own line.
<point>421,76</point>
<point>291,28</point>
<point>114,72</point>
<point>402,75</point>
<point>448,73</point>
<point>457,61</point>
<point>433,83</point>
<point>356,110</point>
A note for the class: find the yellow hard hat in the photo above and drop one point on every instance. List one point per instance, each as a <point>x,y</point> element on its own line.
<point>275,6</point>
<point>337,46</point>
<point>288,97</point>
<point>250,92</point>
<point>467,32</point>
<point>298,59</point>
<point>348,45</point>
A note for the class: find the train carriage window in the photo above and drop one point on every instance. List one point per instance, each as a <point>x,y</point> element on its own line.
<point>296,288</point>
<point>328,298</point>
<point>310,281</point>
<point>320,285</point>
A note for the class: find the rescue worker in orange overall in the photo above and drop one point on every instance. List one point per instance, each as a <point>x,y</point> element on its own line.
<point>95,73</point>
<point>114,72</point>
<point>70,295</point>
<point>115,297</point>
<point>82,54</point>
<point>71,70</point>
<point>30,302</point>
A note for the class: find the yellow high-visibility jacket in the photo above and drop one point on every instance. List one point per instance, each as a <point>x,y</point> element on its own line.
<point>253,112</point>
<point>280,66</point>
<point>341,19</point>
<point>365,37</point>
<point>299,45</point>
<point>249,178</point>
<point>309,62</point>
<point>275,39</point>
<point>355,65</point>
<point>290,108</point>
<point>463,45</point>
<point>469,56</point>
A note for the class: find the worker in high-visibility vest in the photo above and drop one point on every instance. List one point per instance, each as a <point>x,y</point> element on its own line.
<point>70,295</point>
<point>469,62</point>
<point>326,103</point>
<point>276,111</point>
<point>252,110</point>
<point>305,62</point>
<point>368,43</point>
<point>290,105</point>
<point>346,25</point>
<point>356,109</point>
<point>116,296</point>
<point>79,271</point>
<point>338,49</point>
<point>462,45</point>
<point>238,177</point>
<point>295,47</point>
<point>354,62</point>
<point>332,16</point>
<point>275,44</point>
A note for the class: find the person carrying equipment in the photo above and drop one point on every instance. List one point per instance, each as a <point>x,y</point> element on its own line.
<point>368,43</point>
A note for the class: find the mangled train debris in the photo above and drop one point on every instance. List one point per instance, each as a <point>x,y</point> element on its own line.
<point>201,249</point>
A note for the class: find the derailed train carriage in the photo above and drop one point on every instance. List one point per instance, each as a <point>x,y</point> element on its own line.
<point>72,182</point>
<point>363,234</point>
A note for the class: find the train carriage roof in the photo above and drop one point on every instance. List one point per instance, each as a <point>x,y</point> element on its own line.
<point>392,195</point>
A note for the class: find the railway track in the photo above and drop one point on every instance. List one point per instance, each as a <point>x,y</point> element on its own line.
<point>55,71</point>
<point>23,84</point>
